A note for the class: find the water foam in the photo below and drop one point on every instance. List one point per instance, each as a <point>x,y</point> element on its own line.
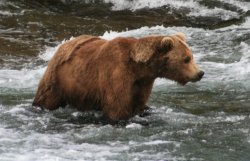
<point>134,126</point>
<point>146,31</point>
<point>241,69</point>
<point>195,8</point>
<point>246,24</point>
<point>50,51</point>
<point>234,72</point>
<point>6,13</point>
<point>26,78</point>
<point>216,12</point>
<point>245,6</point>
<point>20,79</point>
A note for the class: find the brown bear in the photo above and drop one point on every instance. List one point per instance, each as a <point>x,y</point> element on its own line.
<point>114,76</point>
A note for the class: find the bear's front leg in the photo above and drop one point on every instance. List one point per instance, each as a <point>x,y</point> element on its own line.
<point>118,104</point>
<point>117,108</point>
<point>144,88</point>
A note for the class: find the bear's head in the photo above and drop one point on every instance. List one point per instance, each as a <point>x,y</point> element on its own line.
<point>170,57</point>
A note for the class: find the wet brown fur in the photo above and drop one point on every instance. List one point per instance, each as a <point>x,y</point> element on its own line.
<point>114,76</point>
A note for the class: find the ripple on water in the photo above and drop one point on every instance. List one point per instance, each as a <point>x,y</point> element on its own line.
<point>210,116</point>
<point>32,134</point>
<point>193,8</point>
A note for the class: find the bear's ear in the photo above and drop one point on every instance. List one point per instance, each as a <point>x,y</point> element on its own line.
<point>143,50</point>
<point>181,36</point>
<point>167,43</point>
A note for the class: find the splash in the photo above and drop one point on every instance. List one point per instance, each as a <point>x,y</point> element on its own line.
<point>245,6</point>
<point>195,9</point>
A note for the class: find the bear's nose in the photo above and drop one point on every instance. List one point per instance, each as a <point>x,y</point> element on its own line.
<point>201,74</point>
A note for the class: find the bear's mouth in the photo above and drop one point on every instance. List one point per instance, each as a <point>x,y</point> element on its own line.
<point>182,83</point>
<point>193,79</point>
<point>185,81</point>
<point>196,79</point>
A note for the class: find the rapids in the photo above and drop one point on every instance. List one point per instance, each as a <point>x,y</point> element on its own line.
<point>208,120</point>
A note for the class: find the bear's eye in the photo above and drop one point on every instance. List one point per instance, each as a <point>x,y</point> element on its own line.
<point>187,60</point>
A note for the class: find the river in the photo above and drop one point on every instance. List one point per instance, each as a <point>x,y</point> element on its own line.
<point>204,121</point>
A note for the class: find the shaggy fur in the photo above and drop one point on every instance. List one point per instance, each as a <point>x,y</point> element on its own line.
<point>114,76</point>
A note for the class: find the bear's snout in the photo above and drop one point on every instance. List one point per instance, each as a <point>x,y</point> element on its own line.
<point>198,76</point>
<point>201,74</point>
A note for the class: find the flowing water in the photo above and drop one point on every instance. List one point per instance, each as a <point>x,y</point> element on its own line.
<point>208,120</point>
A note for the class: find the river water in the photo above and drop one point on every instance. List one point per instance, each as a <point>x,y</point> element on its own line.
<point>208,120</point>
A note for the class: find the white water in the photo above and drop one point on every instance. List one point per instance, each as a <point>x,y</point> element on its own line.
<point>195,8</point>
<point>208,120</point>
<point>33,135</point>
<point>46,136</point>
<point>245,6</point>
